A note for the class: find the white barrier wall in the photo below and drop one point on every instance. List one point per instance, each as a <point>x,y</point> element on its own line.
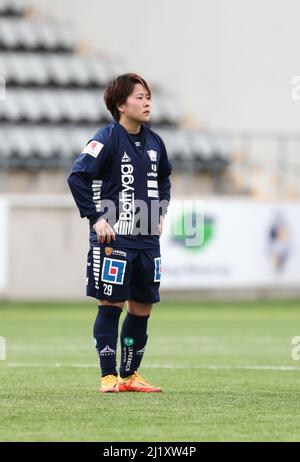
<point>4,244</point>
<point>47,248</point>
<point>247,244</point>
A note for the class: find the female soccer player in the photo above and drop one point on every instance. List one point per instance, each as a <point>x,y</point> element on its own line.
<point>120,182</point>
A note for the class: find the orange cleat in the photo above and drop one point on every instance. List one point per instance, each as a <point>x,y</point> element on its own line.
<point>109,384</point>
<point>136,383</point>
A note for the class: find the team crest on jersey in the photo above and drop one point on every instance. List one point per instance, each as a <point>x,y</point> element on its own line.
<point>153,155</point>
<point>108,251</point>
<point>113,271</point>
<point>157,269</point>
<point>93,148</point>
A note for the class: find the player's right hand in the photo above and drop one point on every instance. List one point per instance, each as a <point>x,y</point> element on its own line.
<point>104,231</point>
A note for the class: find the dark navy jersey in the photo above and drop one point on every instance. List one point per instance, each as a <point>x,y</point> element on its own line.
<point>123,178</point>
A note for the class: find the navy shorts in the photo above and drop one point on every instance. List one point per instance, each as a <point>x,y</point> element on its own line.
<point>120,274</point>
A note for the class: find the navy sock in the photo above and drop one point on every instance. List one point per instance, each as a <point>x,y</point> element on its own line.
<point>106,337</point>
<point>133,342</point>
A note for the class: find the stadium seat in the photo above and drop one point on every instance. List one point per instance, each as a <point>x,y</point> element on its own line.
<point>12,7</point>
<point>54,98</point>
<point>69,106</point>
<point>8,37</point>
<point>35,35</point>
<point>28,107</point>
<point>201,149</point>
<point>53,69</point>
<point>99,71</point>
<point>170,114</point>
<point>220,159</point>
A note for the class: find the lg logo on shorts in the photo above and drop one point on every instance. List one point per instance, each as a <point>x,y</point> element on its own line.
<point>157,269</point>
<point>113,271</point>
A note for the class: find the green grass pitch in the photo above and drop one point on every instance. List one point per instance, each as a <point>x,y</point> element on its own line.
<point>226,371</point>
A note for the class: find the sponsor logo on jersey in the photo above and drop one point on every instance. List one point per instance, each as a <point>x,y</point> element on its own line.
<point>93,148</point>
<point>126,200</point>
<point>152,184</point>
<point>107,351</point>
<point>141,352</point>
<point>127,358</point>
<point>126,157</point>
<point>113,271</point>
<point>153,155</point>
<point>120,253</point>
<point>108,251</point>
<point>152,193</point>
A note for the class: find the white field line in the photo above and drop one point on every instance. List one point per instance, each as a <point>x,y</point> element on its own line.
<point>169,338</point>
<point>158,366</point>
<point>157,342</point>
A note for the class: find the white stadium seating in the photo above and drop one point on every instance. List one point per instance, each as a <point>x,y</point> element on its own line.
<point>54,99</point>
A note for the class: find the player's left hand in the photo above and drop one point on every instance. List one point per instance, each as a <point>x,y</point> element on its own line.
<point>104,231</point>
<point>161,225</point>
